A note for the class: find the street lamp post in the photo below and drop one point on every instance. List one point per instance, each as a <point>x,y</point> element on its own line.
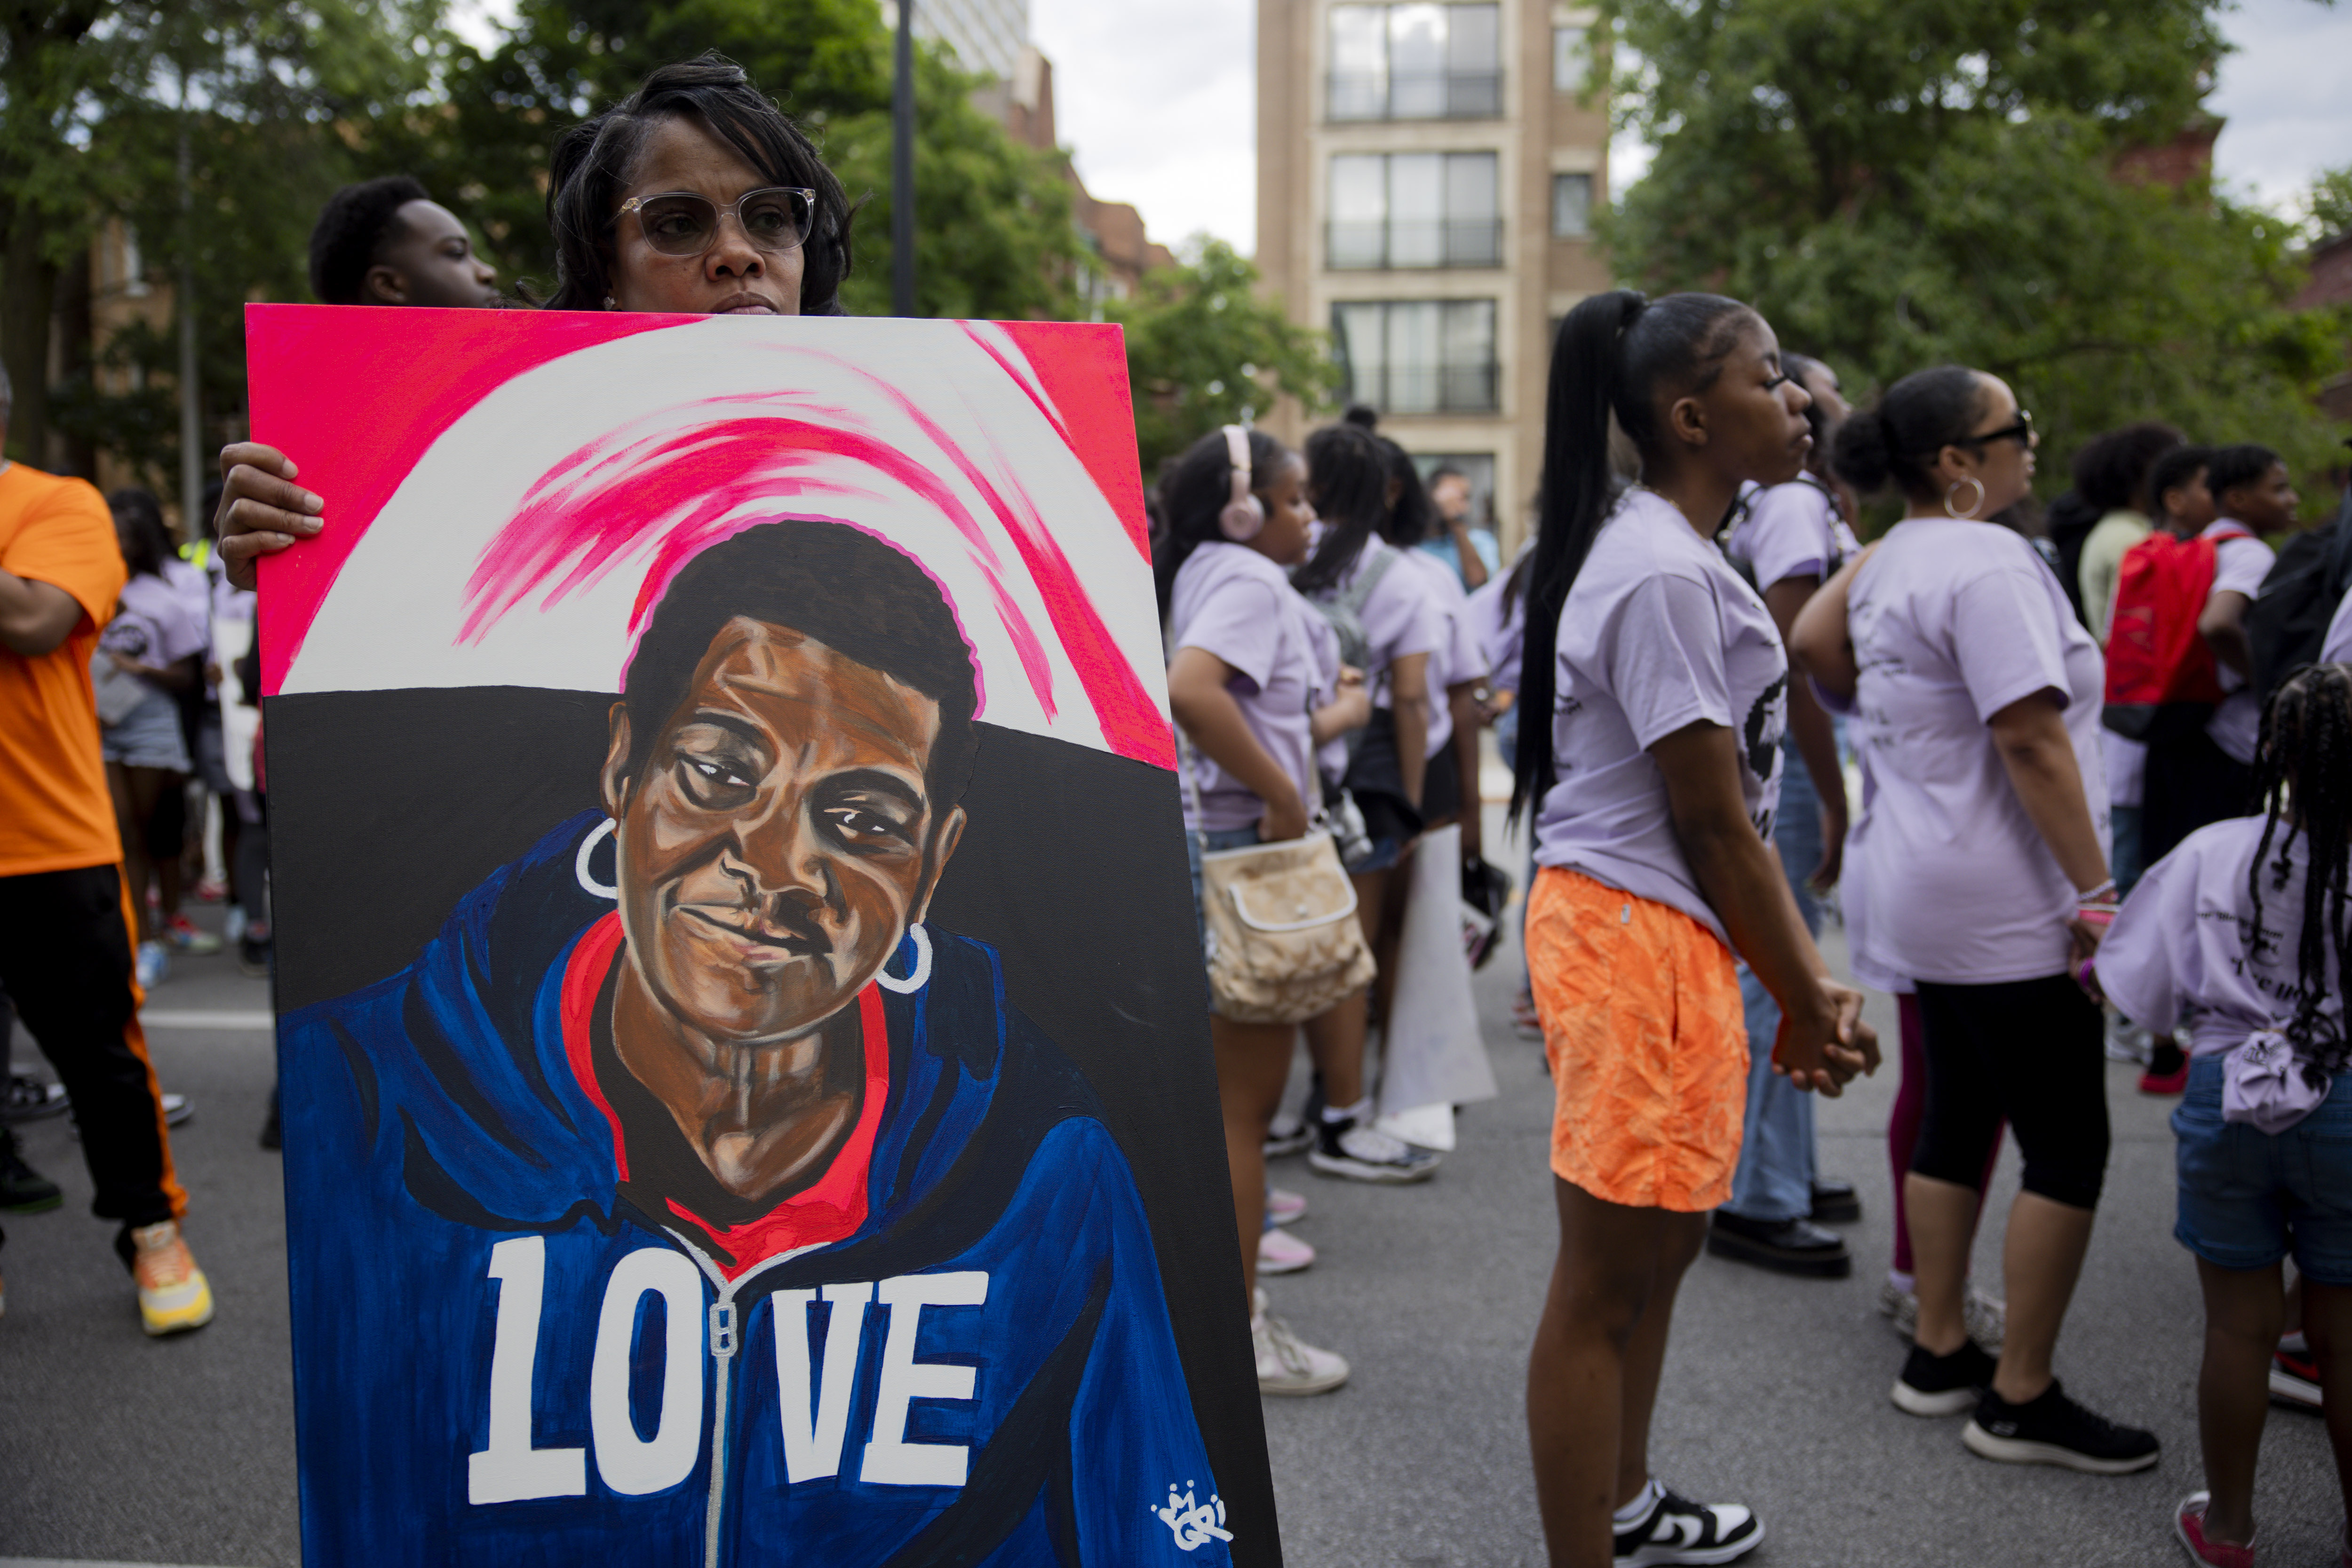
<point>902,167</point>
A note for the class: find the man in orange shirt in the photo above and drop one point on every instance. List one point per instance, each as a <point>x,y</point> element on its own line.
<point>65,919</point>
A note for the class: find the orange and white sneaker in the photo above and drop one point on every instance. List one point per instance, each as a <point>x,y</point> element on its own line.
<point>173,1295</point>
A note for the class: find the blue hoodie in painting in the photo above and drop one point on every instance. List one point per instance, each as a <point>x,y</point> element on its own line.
<point>952,1347</point>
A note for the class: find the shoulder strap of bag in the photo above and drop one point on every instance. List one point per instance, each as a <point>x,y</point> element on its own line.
<point>1378,559</point>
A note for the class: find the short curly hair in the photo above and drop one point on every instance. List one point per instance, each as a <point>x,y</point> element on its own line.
<point>592,161</point>
<point>352,229</point>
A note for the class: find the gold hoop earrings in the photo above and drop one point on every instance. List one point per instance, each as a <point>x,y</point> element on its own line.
<point>1974,501</point>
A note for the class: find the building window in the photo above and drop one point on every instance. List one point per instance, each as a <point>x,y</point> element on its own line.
<point>1570,59</point>
<point>1414,209</point>
<point>1418,356</point>
<point>1418,61</point>
<point>1571,206</point>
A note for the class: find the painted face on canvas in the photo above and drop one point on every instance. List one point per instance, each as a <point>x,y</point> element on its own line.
<point>782,837</point>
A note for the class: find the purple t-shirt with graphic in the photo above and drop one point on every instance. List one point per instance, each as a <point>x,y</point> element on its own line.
<point>1952,621</point>
<point>1790,531</point>
<point>1658,634</point>
<point>1230,601</point>
<point>2181,955</point>
<point>2240,565</point>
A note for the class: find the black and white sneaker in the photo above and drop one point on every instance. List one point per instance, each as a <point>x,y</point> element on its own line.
<point>1943,1384</point>
<point>1288,1136</point>
<point>2051,1429</point>
<point>1681,1531</point>
<point>1362,1154</point>
<point>27,1098</point>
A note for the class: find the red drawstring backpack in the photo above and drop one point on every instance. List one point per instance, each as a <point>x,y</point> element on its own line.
<point>2156,659</point>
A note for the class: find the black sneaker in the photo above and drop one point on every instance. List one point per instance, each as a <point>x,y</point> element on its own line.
<point>2051,1429</point>
<point>1681,1531</point>
<point>1834,1203</point>
<point>1788,1245</point>
<point>1944,1384</point>
<point>23,1190</point>
<point>1362,1154</point>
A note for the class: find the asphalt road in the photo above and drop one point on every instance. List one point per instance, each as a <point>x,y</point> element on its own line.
<point>117,1450</point>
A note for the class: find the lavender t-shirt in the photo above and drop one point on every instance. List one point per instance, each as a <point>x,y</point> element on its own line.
<point>1400,619</point>
<point>1457,657</point>
<point>1500,631</point>
<point>2338,649</point>
<point>1953,621</point>
<point>1790,531</point>
<point>1658,634</point>
<point>2240,565</point>
<point>154,625</point>
<point>2181,953</point>
<point>1230,601</point>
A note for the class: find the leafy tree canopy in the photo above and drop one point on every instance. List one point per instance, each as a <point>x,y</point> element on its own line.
<point>1896,184</point>
<point>1204,348</point>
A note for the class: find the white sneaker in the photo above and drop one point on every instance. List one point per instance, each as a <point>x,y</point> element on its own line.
<point>2127,1041</point>
<point>1284,1209</point>
<point>153,965</point>
<point>1279,1252</point>
<point>1286,1366</point>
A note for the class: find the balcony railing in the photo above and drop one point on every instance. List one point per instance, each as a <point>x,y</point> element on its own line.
<point>1415,95</point>
<point>1395,245</point>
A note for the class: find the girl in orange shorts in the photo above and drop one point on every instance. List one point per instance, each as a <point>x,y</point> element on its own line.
<point>1667,694</point>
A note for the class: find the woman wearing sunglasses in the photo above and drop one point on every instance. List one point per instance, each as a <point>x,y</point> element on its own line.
<point>696,196</point>
<point>1981,858</point>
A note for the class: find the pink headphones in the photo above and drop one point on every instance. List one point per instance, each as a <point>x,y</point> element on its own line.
<point>1243,515</point>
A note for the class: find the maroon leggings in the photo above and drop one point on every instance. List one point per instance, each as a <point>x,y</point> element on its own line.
<point>1903,1126</point>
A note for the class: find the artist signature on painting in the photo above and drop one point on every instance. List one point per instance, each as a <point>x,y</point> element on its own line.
<point>1194,1525</point>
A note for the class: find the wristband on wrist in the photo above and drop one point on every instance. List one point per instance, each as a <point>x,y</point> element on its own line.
<point>2104,893</point>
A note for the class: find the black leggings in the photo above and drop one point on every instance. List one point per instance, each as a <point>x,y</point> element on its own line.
<point>2028,1050</point>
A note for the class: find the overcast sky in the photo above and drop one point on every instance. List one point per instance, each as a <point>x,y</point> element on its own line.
<point>1155,97</point>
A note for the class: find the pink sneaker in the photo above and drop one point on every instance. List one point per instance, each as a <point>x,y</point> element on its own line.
<point>1279,1252</point>
<point>2189,1523</point>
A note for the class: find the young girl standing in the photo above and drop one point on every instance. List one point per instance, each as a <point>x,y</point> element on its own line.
<point>1248,686</point>
<point>2240,938</point>
<point>1656,691</point>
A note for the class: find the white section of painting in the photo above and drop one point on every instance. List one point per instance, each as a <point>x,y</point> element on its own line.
<point>928,390</point>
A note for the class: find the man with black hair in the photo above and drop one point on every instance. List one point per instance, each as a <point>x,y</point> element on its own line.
<point>385,242</point>
<point>1469,550</point>
<point>700,1045</point>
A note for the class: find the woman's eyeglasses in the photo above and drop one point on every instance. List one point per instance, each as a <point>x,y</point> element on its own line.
<point>775,218</point>
<point>2021,431</point>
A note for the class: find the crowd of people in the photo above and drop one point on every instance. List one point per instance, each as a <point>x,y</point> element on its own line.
<point>2091,776</point>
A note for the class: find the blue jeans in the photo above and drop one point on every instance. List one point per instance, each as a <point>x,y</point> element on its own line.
<point>1775,1178</point>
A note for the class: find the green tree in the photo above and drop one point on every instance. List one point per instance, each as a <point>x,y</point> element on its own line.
<point>1898,183</point>
<point>1204,349</point>
<point>993,218</point>
<point>2329,203</point>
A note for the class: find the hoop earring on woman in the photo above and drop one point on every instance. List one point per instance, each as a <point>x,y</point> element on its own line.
<point>587,879</point>
<point>922,972</point>
<point>1954,513</point>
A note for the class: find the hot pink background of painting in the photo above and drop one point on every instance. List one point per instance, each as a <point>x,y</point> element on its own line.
<point>356,395</point>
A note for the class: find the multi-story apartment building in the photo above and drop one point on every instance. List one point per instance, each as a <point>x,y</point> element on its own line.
<point>1427,175</point>
<point>987,36</point>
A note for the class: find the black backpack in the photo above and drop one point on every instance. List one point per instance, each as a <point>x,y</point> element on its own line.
<point>2287,623</point>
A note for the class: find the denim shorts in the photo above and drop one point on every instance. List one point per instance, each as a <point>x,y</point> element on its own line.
<point>1218,839</point>
<point>2248,1198</point>
<point>148,737</point>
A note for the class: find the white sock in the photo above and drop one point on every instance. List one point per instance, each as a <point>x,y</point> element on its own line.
<point>1359,1112</point>
<point>1637,1510</point>
<point>2294,1343</point>
<point>1907,1284</point>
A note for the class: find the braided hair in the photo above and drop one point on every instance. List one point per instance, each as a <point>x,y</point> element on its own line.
<point>2303,778</point>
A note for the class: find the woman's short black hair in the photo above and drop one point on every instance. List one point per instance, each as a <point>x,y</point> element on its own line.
<point>593,160</point>
<point>139,519</point>
<point>2111,470</point>
<point>2171,471</point>
<point>859,596</point>
<point>352,232</point>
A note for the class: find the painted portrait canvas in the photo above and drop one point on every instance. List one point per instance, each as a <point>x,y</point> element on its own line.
<point>742,1032</point>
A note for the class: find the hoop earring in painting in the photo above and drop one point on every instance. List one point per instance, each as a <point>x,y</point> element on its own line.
<point>921,976</point>
<point>587,879</point>
<point>610,303</point>
<point>1976,501</point>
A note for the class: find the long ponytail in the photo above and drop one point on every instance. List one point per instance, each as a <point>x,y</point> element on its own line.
<point>1615,351</point>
